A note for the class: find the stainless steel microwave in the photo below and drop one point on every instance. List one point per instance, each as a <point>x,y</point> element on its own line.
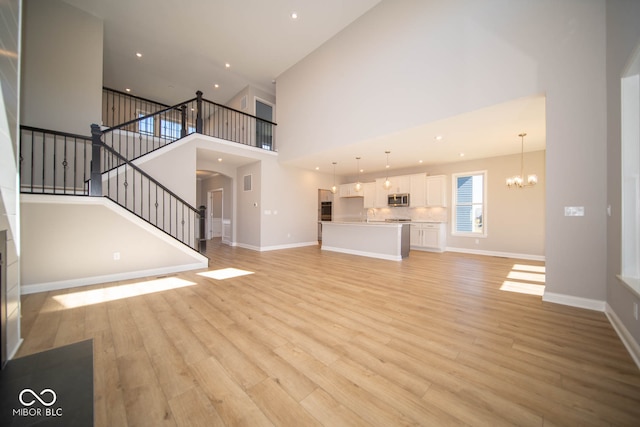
<point>401,199</point>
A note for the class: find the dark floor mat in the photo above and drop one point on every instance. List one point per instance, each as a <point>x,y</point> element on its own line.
<point>52,388</point>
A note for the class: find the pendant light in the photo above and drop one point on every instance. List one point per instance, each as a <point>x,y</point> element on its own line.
<point>334,188</point>
<point>517,181</point>
<point>358,186</point>
<point>387,183</point>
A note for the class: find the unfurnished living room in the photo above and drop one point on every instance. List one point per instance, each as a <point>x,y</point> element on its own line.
<point>374,212</point>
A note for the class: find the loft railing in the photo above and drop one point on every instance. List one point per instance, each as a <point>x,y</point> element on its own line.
<point>145,125</point>
<point>54,162</point>
<point>61,163</point>
<point>120,107</point>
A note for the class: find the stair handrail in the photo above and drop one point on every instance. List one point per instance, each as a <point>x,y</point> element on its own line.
<point>96,189</point>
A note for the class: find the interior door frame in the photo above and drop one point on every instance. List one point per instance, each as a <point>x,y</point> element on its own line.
<point>257,99</point>
<point>210,204</point>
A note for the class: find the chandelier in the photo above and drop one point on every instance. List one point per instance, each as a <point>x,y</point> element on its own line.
<point>517,181</point>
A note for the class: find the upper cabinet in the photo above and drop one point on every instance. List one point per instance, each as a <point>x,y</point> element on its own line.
<point>369,193</point>
<point>417,190</point>
<point>381,194</point>
<point>400,184</point>
<point>424,191</point>
<point>436,190</point>
<point>349,190</point>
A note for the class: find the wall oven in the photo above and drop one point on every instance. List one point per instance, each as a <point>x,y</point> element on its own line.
<point>325,211</point>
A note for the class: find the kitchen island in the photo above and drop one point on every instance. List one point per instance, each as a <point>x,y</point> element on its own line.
<point>384,240</point>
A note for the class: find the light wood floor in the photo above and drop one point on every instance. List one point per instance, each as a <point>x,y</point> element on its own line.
<point>315,338</point>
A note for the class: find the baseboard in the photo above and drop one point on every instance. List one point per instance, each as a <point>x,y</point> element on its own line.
<point>93,280</point>
<point>497,254</point>
<point>289,246</point>
<point>275,247</point>
<point>579,302</point>
<point>625,336</point>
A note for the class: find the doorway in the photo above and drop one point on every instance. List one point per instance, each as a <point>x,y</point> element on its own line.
<point>215,208</point>
<point>264,126</point>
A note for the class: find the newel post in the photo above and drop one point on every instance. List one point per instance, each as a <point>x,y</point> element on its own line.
<point>199,111</point>
<point>95,184</point>
<point>183,130</point>
<point>203,240</point>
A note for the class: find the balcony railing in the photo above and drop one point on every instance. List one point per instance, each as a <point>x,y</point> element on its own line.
<point>146,126</point>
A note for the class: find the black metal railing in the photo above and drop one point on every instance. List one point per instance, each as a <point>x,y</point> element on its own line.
<point>54,162</point>
<point>226,123</point>
<point>138,192</point>
<point>150,125</point>
<point>120,107</point>
<point>144,134</point>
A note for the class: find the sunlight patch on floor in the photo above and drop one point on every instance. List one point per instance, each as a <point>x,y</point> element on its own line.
<point>525,279</point>
<point>225,273</point>
<point>112,293</point>
<point>522,288</point>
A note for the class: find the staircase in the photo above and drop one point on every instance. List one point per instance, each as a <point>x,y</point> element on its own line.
<point>106,164</point>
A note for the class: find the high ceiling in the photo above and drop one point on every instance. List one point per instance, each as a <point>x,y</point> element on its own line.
<point>185,47</point>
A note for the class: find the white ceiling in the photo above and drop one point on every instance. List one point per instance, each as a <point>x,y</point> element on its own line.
<point>185,46</point>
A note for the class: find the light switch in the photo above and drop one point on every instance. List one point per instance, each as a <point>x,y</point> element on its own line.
<point>574,211</point>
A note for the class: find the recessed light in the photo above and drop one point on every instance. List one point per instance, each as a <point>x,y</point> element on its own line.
<point>216,85</point>
<point>227,65</point>
<point>138,54</point>
<point>420,161</point>
<point>438,137</point>
<point>294,15</point>
<point>461,154</point>
<point>127,90</point>
<point>219,159</point>
<point>317,168</point>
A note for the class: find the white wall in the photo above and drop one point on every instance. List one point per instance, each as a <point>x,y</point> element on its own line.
<point>61,67</point>
<point>412,62</point>
<point>10,13</point>
<point>71,241</point>
<point>290,205</point>
<point>623,38</point>
<point>249,206</point>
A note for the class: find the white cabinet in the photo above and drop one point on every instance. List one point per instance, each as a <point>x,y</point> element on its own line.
<point>399,184</point>
<point>417,190</point>
<point>369,193</point>
<point>436,190</point>
<point>430,236</point>
<point>349,190</point>
<point>381,194</point>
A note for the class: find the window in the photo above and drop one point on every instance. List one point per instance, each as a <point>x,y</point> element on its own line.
<point>469,208</point>
<point>172,130</point>
<point>630,132</point>
<point>145,126</point>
